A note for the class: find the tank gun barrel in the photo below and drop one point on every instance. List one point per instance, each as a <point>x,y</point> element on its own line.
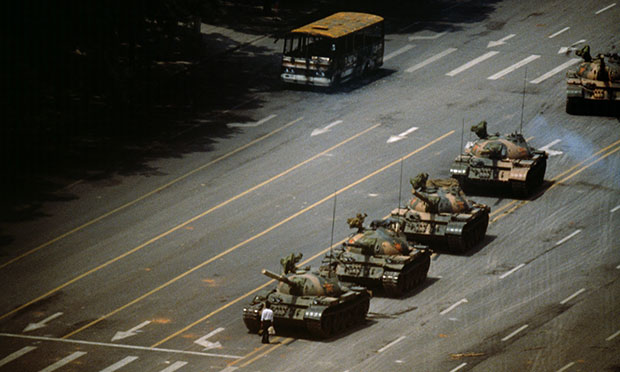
<point>280,278</point>
<point>422,197</point>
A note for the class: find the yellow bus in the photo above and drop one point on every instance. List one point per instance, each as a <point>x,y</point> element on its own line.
<point>333,49</point>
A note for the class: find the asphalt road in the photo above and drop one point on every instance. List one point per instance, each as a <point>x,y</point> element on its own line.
<point>150,272</point>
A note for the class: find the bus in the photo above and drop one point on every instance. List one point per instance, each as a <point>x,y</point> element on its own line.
<point>333,49</point>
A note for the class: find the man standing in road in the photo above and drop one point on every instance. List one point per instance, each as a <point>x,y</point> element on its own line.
<point>266,319</point>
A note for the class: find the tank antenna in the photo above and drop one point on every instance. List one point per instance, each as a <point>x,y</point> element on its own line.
<point>331,241</point>
<point>523,102</point>
<point>462,134</point>
<point>400,184</point>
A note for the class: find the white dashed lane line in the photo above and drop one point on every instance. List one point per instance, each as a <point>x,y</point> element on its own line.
<point>605,8</point>
<point>556,70</point>
<point>566,367</point>
<point>517,65</point>
<point>453,306</point>
<point>398,52</point>
<point>458,367</point>
<point>568,237</point>
<point>615,209</point>
<point>515,332</point>
<point>430,60</point>
<point>559,32</point>
<point>511,271</point>
<point>572,296</point>
<point>17,354</point>
<point>472,63</point>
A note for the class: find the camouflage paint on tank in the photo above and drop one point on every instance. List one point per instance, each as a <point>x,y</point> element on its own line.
<point>595,79</point>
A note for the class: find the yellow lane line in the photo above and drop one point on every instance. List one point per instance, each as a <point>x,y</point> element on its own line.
<point>288,219</point>
<point>129,204</point>
<point>275,339</point>
<point>264,232</point>
<point>152,240</point>
<point>524,202</point>
<point>284,342</point>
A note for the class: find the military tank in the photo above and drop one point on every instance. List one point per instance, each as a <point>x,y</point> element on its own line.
<point>439,214</point>
<point>496,160</point>
<point>595,79</point>
<point>310,299</point>
<point>379,256</point>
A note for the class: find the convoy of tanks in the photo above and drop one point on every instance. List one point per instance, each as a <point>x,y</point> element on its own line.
<point>393,255</point>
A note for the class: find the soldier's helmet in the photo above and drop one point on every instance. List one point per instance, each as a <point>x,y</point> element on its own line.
<point>480,129</point>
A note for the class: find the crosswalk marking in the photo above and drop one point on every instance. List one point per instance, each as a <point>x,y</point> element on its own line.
<point>63,361</point>
<point>431,59</point>
<point>472,63</point>
<point>120,364</point>
<point>174,366</point>
<point>16,355</point>
<point>517,65</point>
<point>398,51</point>
<point>560,68</point>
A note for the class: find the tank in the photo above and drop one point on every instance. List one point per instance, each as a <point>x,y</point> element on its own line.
<point>313,300</point>
<point>495,160</point>
<point>595,79</point>
<point>440,215</point>
<point>379,256</point>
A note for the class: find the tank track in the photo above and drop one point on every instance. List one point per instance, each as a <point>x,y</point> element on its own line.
<point>337,319</point>
<point>397,283</point>
<point>473,233</point>
<point>535,179</point>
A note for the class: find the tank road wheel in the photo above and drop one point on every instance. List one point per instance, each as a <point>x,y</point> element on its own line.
<point>327,325</point>
<point>573,105</point>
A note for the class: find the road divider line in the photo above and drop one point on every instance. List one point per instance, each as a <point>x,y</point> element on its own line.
<point>431,60</point>
<point>458,367</point>
<point>605,8</point>
<point>559,32</point>
<point>180,226</point>
<point>444,312</point>
<point>568,237</point>
<point>514,333</point>
<point>572,296</point>
<point>391,344</point>
<point>472,63</point>
<point>19,353</point>
<point>560,68</point>
<point>512,68</point>
<point>155,191</point>
<point>329,197</point>
<point>398,52</point>
<point>284,342</point>
<point>512,271</point>
<point>118,346</point>
<point>566,367</point>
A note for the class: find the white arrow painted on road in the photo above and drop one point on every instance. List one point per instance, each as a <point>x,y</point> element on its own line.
<point>571,47</point>
<point>501,41</point>
<point>326,129</point>
<point>250,125</point>
<point>202,341</point>
<point>547,147</point>
<point>401,136</point>
<point>41,324</point>
<point>132,332</point>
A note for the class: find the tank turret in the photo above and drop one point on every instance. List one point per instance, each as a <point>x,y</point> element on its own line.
<point>310,299</point>
<point>380,256</point>
<point>595,79</point>
<point>439,214</point>
<point>496,160</point>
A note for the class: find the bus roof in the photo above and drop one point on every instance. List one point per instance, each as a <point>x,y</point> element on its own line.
<point>339,24</point>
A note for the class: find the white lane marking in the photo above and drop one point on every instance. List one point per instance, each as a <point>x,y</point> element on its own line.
<point>372,194</point>
<point>501,41</point>
<point>572,296</point>
<point>120,364</point>
<point>120,346</point>
<point>251,125</point>
<point>459,367</point>
<point>431,59</point>
<point>515,332</point>
<point>229,369</point>
<point>64,361</point>
<point>605,8</point>
<point>398,51</point>
<point>612,336</point>
<point>570,48</point>
<point>615,209</point>
<point>204,342</point>
<point>568,237</point>
<point>432,37</point>
<point>41,324</point>
<point>618,267</point>
<point>517,65</point>
<point>391,344</point>
<point>326,129</point>
<point>131,332</point>
<point>453,306</point>
<point>174,366</point>
<point>511,271</point>
<point>547,148</point>
<point>559,32</point>
<point>560,68</point>
<point>566,367</point>
<point>401,136</point>
<point>17,354</point>
<point>471,63</point>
